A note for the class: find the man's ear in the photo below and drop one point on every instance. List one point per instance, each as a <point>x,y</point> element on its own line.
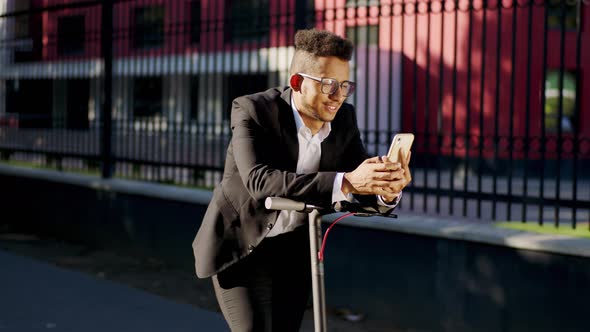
<point>296,81</point>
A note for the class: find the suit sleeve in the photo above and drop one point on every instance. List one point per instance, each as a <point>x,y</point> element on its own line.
<point>253,152</point>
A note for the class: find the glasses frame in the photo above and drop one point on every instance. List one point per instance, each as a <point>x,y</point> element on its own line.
<point>351,87</point>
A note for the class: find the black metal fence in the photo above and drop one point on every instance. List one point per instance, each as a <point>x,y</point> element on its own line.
<point>493,91</point>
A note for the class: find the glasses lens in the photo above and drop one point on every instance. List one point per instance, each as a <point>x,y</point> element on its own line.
<point>329,86</point>
<point>347,88</point>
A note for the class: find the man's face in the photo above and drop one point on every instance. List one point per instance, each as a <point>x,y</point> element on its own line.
<point>316,107</point>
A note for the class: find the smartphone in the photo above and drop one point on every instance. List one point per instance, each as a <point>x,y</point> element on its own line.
<point>403,142</point>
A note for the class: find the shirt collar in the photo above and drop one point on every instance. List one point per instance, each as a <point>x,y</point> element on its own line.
<point>324,131</point>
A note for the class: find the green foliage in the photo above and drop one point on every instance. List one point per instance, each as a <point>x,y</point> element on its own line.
<point>581,229</point>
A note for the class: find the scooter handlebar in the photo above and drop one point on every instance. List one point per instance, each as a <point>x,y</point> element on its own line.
<point>279,203</point>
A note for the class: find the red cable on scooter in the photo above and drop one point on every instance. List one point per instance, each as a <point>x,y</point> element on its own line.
<point>321,253</point>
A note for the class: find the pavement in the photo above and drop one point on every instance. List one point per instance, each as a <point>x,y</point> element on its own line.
<point>56,286</point>
<point>36,296</point>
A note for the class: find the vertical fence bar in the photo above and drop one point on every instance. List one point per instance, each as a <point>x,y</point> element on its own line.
<point>454,107</point>
<point>378,85</point>
<point>527,126</point>
<point>480,156</point>
<point>366,43</point>
<point>497,107</point>
<point>559,157</point>
<point>440,107</point>
<point>576,137</point>
<point>137,123</point>
<point>213,54</point>
<point>468,108</point>
<point>414,83</point>
<point>195,76</point>
<point>511,137</point>
<point>183,37</point>
<point>427,134</point>
<point>402,65</point>
<point>158,133</point>
<point>542,138</point>
<point>391,71</point>
<point>107,55</point>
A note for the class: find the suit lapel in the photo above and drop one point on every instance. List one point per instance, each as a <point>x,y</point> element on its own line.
<point>288,130</point>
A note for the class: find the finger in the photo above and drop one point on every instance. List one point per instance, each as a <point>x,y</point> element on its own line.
<point>385,159</point>
<point>390,175</point>
<point>386,193</point>
<point>408,176</point>
<point>388,185</point>
<point>388,166</point>
<point>373,160</point>
<point>390,194</point>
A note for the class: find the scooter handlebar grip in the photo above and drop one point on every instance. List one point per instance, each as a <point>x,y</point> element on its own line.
<point>279,203</point>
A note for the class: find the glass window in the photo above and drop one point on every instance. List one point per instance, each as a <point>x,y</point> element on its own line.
<point>362,3</point>
<point>247,20</point>
<point>149,27</point>
<point>77,96</point>
<point>32,101</point>
<point>70,35</point>
<point>363,35</point>
<point>147,97</point>
<point>21,22</point>
<point>563,12</point>
<point>237,85</point>
<point>552,95</point>
<point>195,21</point>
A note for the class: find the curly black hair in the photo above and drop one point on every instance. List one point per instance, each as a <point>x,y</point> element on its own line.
<point>323,43</point>
<point>312,43</point>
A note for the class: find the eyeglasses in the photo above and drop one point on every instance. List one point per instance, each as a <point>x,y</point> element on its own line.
<point>329,86</point>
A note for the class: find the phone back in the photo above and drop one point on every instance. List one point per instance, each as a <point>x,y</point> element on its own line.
<point>402,141</point>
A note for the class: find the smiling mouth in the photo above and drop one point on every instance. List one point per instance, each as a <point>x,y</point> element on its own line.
<point>332,108</point>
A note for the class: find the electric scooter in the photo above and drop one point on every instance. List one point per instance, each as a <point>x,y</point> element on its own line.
<point>315,240</point>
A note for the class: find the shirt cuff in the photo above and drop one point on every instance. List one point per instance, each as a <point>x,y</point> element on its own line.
<point>337,194</point>
<point>393,204</point>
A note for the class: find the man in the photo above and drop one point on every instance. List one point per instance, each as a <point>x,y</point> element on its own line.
<point>300,142</point>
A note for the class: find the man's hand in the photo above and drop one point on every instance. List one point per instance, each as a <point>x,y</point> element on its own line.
<point>378,176</point>
<point>407,174</point>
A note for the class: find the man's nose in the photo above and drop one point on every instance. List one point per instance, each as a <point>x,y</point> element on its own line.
<point>337,95</point>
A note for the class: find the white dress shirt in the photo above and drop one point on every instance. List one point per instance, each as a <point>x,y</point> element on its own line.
<point>308,161</point>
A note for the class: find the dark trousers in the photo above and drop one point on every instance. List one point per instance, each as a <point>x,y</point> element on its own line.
<point>269,289</point>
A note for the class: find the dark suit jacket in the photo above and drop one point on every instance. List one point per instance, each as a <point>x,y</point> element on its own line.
<point>261,161</point>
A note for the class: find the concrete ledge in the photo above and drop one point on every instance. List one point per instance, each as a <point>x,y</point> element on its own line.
<point>473,231</point>
<point>142,188</point>
<point>410,223</point>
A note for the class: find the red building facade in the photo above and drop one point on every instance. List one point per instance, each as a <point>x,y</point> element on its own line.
<point>466,76</point>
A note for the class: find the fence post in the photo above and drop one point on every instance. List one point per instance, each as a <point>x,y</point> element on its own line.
<point>107,55</point>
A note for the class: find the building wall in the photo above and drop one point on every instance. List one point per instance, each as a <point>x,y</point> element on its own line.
<point>406,81</point>
<point>433,74</point>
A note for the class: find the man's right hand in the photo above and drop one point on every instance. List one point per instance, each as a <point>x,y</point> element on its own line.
<point>375,176</point>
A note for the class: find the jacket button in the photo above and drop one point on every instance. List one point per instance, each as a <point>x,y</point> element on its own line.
<point>269,226</point>
<point>250,248</point>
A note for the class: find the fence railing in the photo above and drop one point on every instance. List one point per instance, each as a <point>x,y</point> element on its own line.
<point>493,91</point>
